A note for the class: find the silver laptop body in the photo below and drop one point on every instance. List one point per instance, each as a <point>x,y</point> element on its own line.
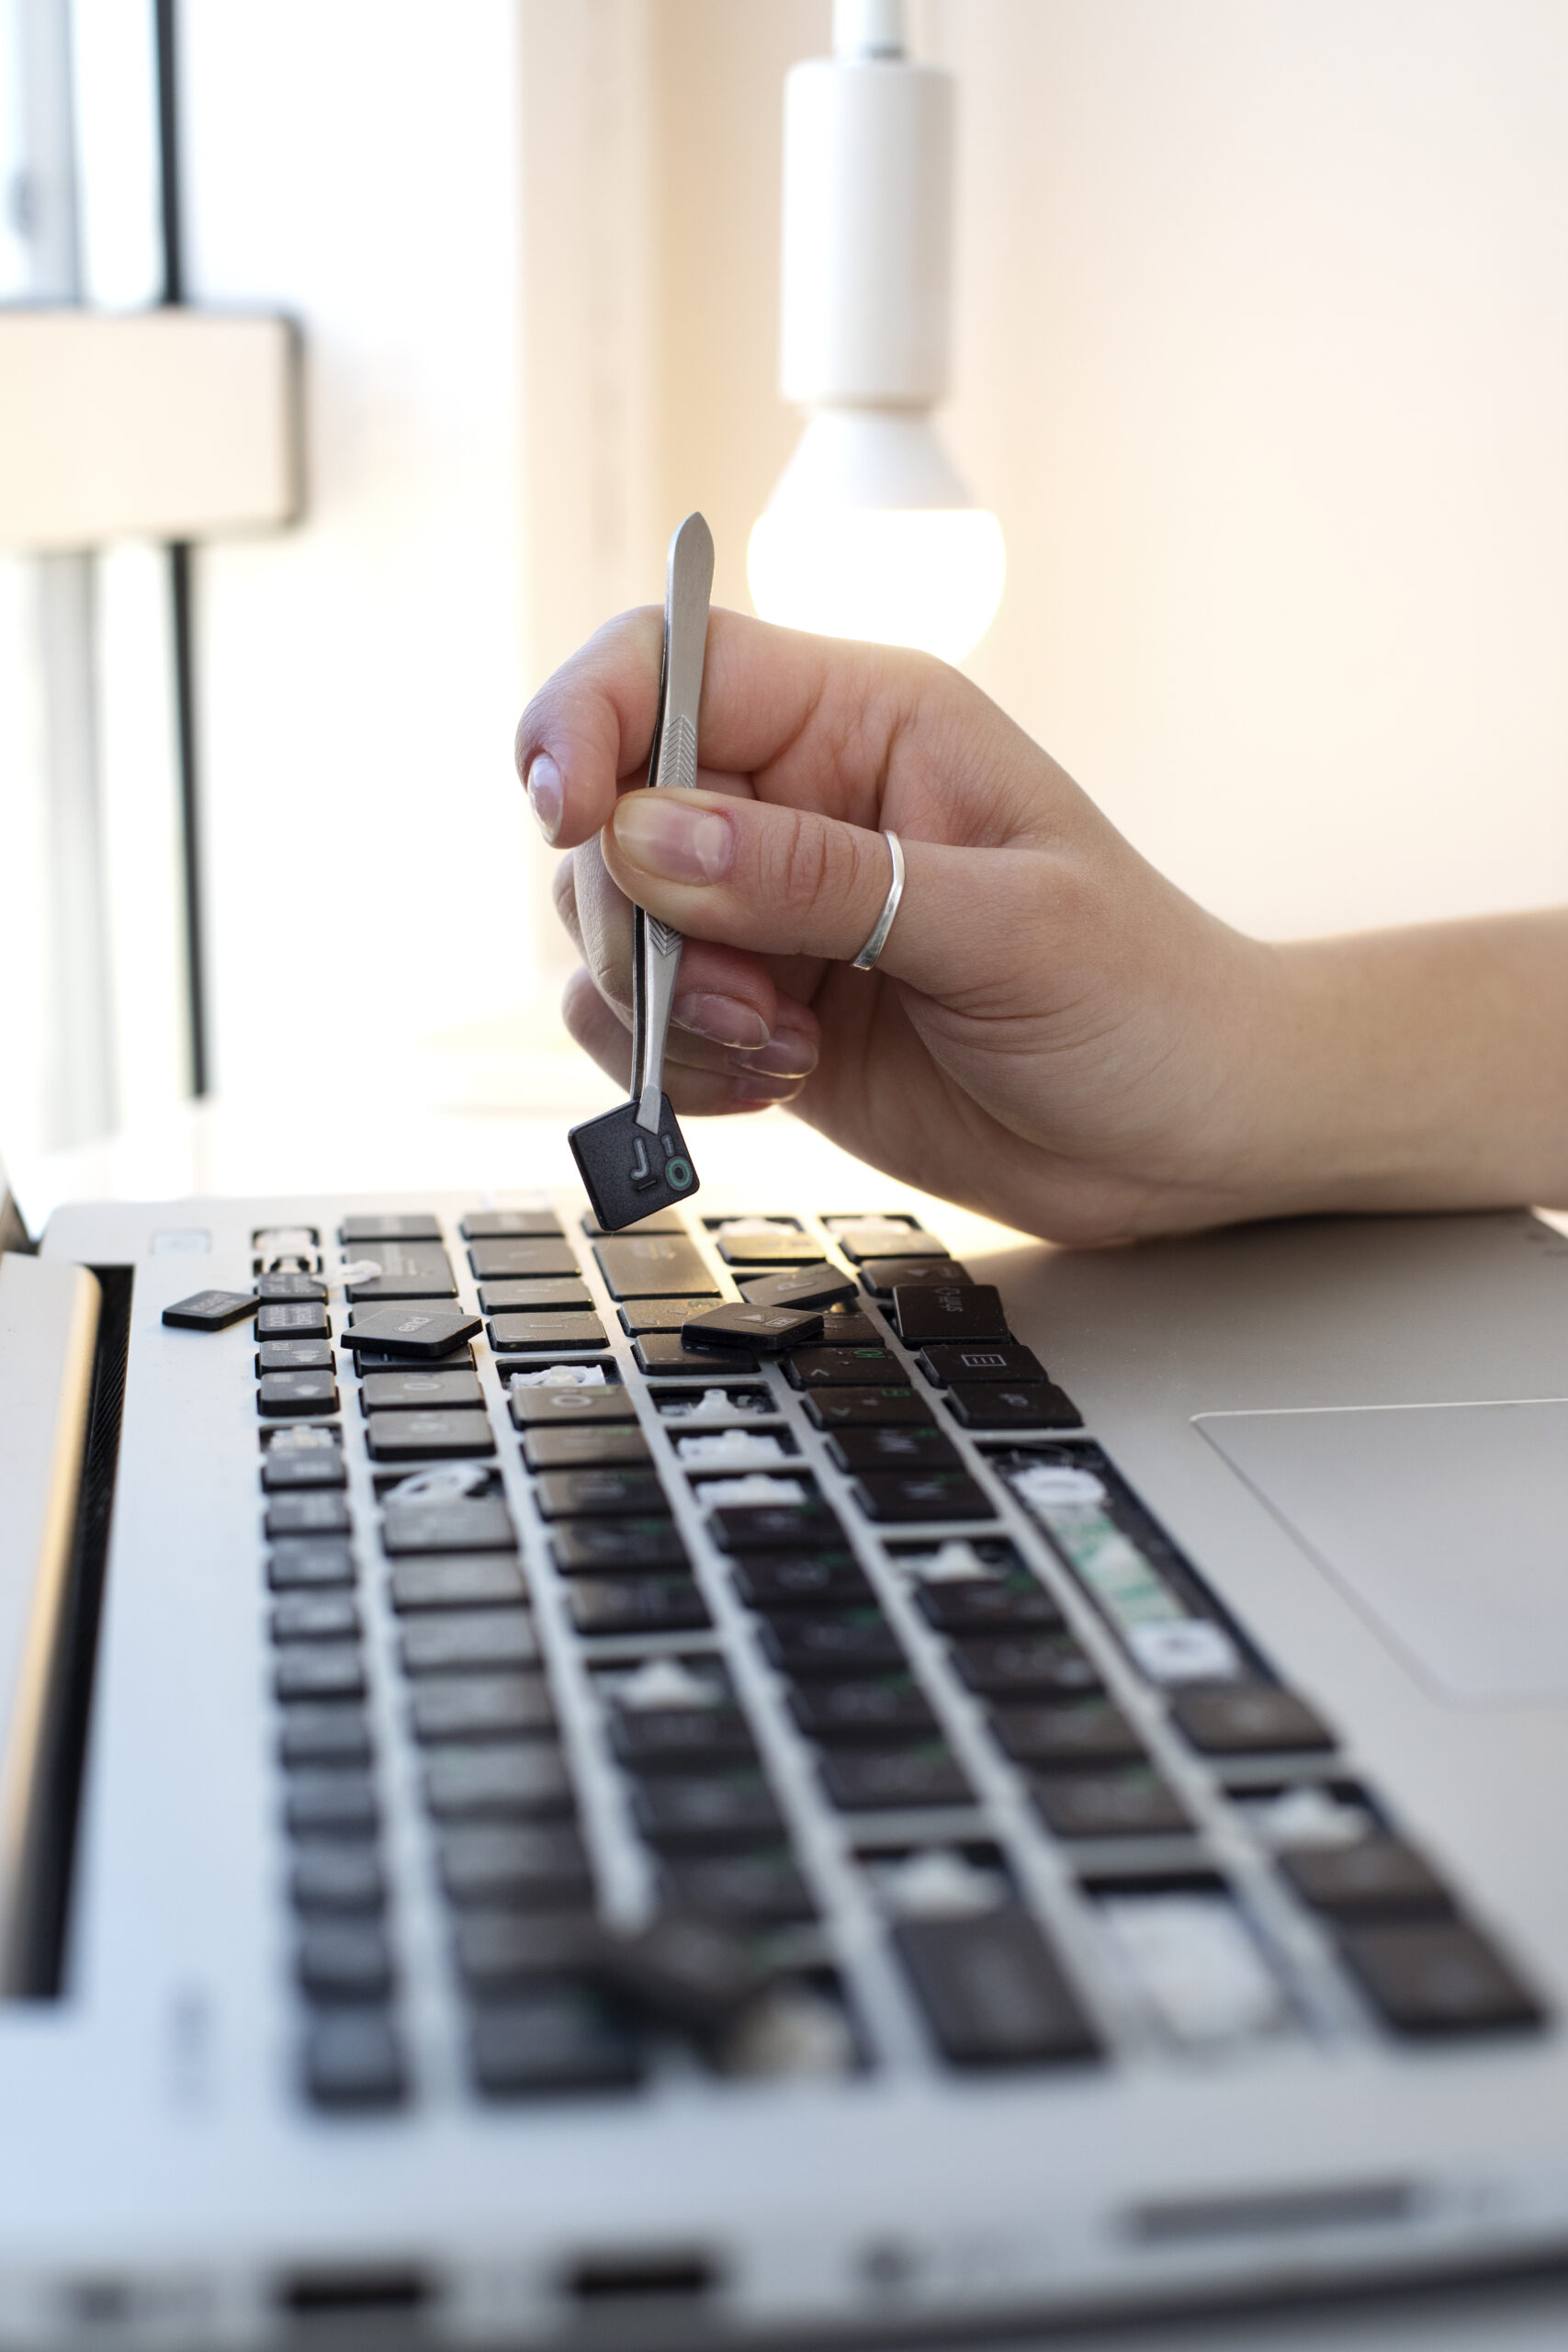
<point>1214,2004</point>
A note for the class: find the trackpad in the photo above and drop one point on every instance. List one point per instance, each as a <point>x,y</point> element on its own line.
<point>1448,1524</point>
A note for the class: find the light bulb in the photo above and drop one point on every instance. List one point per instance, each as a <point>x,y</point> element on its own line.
<point>871,534</point>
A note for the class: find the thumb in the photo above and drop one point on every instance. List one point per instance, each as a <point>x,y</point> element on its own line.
<point>780,881</point>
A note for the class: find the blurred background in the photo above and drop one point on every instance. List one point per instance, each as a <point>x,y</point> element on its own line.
<point>1259,356</point>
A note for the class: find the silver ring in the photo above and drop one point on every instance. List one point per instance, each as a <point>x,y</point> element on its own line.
<point>878,940</point>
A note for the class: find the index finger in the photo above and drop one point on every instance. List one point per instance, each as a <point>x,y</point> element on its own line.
<point>807,721</point>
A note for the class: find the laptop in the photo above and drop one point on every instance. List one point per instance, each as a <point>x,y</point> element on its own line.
<point>1040,1797</point>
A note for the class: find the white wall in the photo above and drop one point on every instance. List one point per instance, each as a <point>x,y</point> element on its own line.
<point>1264,361</point>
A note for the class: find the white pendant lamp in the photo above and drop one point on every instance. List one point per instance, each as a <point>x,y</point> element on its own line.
<point>870,532</point>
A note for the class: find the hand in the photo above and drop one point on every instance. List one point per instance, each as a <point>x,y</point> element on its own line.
<point>1053,1033</point>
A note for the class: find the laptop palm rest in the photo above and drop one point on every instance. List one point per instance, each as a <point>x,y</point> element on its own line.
<point>1447,1524</point>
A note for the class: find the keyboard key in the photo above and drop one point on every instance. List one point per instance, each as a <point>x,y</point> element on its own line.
<point>286,1471</point>
<point>280,1393</point>
<point>1088,1804</point>
<point>325,1673</point>
<point>676,1739</point>
<point>1048,1666</point>
<point>307,1514</point>
<point>780,1581</point>
<point>534,1408</point>
<point>481,1640</point>
<point>547,1334</point>
<point>657,1221</point>
<point>1437,1977</point>
<point>662,1352</point>
<point>890,1407</point>
<point>841,1367</point>
<point>619,1446</point>
<point>1001,1405</point>
<point>864,1713</point>
<point>638,1605</point>
<point>654,1265</point>
<point>983,1605</point>
<point>816,1285</point>
<point>756,1890</point>
<point>407,1392</point>
<point>1064,1738</point>
<point>355,2059</point>
<point>511,1225</point>
<point>209,1310</point>
<point>329,1804</point>
<point>872,1779</point>
<point>346,1961</point>
<point>389,1224</point>
<point>859,1642</point>
<point>608,1493</point>
<point>991,1991</point>
<point>294,1356</point>
<point>883,1276</point>
<point>429,1437</point>
<point>420,1333</point>
<point>767,1329</point>
<point>518,1780</point>
<point>329,1735</point>
<point>316,1617</point>
<point>849,1326</point>
<point>1378,1875</point>
<point>523,1262</point>
<point>462,1580</point>
<point>337,1877</point>
<point>296,1285</point>
<point>775,1527</point>
<point>979,1363</point>
<point>594,1546</point>
<point>863,1238</point>
<point>683,1969</point>
<point>780,1246</point>
<point>943,1312</point>
<point>458,1358</point>
<point>894,1449</point>
<point>544,1862</point>
<point>558,2040</point>
<point>1248,1721</point>
<point>409,1270</point>
<point>475,1706</point>
<point>496,1949</point>
<point>638,1315</point>
<point>915,1495</point>
<point>535,1297</point>
<point>469,1523</point>
<point>301,1561</point>
<point>681,1814</point>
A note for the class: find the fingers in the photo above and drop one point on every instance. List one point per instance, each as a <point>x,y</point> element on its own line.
<point>699,1077</point>
<point>791,882</point>
<point>809,721</point>
<point>723,995</point>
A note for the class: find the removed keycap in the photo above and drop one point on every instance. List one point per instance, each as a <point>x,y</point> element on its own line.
<point>770,1330</point>
<point>818,1284</point>
<point>420,1331</point>
<point>209,1310</point>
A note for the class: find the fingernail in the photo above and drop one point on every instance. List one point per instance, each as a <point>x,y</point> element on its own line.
<point>783,1057</point>
<point>723,1019</point>
<point>546,796</point>
<point>765,1090</point>
<point>663,835</point>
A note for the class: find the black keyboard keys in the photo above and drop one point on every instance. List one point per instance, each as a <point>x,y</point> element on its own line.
<point>408,1269</point>
<point>428,1436</point>
<point>661,1353</point>
<point>1251,1719</point>
<point>555,1408</point>
<point>915,1495</point>
<point>876,1780</point>
<point>615,1546</point>
<point>607,1493</point>
<point>992,1992</point>
<point>881,1407</point>
<point>547,1334</point>
<point>817,1285</point>
<point>894,1449</point>
<point>841,1367</point>
<point>523,1259</point>
<point>875,1711</point>
<point>1012,1404</point>
<point>940,1312</point>
<point>511,1225</point>
<point>769,1329</point>
<point>1436,1978</point>
<point>389,1224</point>
<point>209,1310</point>
<point>597,1445</point>
<point>420,1333</point>
<point>944,1364</point>
<point>414,1391</point>
<point>654,1265</point>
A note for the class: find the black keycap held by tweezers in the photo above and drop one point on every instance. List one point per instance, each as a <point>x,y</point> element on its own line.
<point>627,1170</point>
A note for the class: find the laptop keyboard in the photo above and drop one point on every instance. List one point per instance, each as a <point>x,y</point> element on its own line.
<point>833,1712</point>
